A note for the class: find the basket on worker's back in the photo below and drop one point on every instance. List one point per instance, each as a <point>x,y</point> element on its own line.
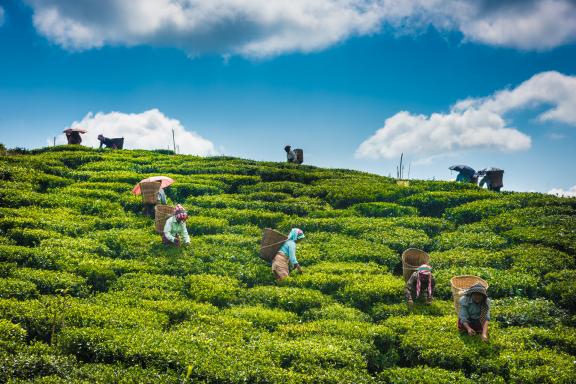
<point>459,286</point>
<point>117,143</point>
<point>496,178</point>
<point>299,156</point>
<point>150,191</point>
<point>412,258</point>
<point>271,242</point>
<point>163,212</point>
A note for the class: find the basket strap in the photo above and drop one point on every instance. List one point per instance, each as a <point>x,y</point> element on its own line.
<point>271,245</point>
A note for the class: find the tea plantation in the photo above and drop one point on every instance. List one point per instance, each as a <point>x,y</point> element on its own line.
<point>88,293</point>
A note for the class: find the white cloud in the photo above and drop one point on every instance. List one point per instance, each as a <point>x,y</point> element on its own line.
<point>147,130</point>
<point>424,136</point>
<point>571,192</point>
<point>526,24</point>
<point>246,27</point>
<point>475,123</point>
<point>261,28</point>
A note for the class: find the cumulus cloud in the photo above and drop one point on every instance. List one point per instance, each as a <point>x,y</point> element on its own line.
<point>147,130</point>
<point>260,28</point>
<point>475,123</point>
<point>571,192</point>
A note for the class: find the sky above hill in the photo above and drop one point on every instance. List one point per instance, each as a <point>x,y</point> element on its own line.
<point>355,83</point>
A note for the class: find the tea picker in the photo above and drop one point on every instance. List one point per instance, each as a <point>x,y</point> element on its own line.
<point>290,155</point>
<point>281,251</point>
<point>175,231</point>
<point>73,135</point>
<point>418,276</point>
<point>466,174</point>
<point>492,177</point>
<point>152,191</point>
<point>474,314</point>
<point>116,143</point>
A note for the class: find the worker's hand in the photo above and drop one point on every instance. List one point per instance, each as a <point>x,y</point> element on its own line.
<point>429,301</point>
<point>471,332</point>
<point>484,337</point>
<point>299,268</point>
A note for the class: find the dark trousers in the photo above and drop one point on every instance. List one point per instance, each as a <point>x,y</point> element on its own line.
<point>176,242</point>
<point>474,324</point>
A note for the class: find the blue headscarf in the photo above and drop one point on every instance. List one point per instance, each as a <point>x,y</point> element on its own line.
<point>296,234</point>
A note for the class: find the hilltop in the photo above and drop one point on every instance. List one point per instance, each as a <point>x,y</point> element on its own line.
<point>88,293</point>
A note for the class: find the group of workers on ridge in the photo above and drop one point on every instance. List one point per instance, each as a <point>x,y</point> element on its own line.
<point>491,177</point>
<point>73,137</point>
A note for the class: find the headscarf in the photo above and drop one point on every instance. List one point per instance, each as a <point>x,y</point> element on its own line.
<point>296,234</point>
<point>180,213</point>
<point>479,288</point>
<point>424,270</point>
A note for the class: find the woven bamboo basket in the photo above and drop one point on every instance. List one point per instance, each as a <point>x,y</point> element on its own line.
<point>150,191</point>
<point>459,286</point>
<point>412,258</point>
<point>163,212</point>
<point>271,242</point>
<point>299,156</point>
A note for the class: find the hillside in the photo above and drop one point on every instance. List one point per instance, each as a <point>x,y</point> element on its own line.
<point>88,293</point>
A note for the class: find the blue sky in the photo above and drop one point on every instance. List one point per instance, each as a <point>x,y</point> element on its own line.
<point>326,80</point>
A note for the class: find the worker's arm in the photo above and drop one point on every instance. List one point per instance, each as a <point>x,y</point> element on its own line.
<point>168,229</point>
<point>464,317</point>
<point>292,256</point>
<point>184,233</point>
<point>409,284</point>
<point>485,331</point>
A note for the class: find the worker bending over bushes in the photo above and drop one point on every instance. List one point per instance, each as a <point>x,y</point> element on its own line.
<point>287,255</point>
<point>474,312</point>
<point>421,278</point>
<point>175,230</point>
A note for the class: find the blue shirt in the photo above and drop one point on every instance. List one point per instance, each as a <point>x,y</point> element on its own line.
<point>470,311</point>
<point>289,249</point>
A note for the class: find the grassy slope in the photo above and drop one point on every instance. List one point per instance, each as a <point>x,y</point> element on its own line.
<point>88,293</point>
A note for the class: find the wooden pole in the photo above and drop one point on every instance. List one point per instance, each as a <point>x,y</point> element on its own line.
<point>54,140</point>
<point>173,140</point>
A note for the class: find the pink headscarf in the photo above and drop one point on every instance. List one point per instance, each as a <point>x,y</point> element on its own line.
<point>424,270</point>
<point>181,214</point>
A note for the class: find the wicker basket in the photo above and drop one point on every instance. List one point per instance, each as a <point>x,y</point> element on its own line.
<point>163,212</point>
<point>299,156</point>
<point>459,286</point>
<point>150,191</point>
<point>271,242</point>
<point>412,258</point>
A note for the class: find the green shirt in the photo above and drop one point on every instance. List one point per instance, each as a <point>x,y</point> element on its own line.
<point>174,228</point>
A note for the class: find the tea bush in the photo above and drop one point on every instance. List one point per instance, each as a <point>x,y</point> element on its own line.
<point>218,290</point>
<point>88,292</point>
<point>371,290</point>
<point>514,311</point>
<point>296,300</point>
<point>425,375</point>
<point>436,202</point>
<point>384,210</point>
<point>18,289</point>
